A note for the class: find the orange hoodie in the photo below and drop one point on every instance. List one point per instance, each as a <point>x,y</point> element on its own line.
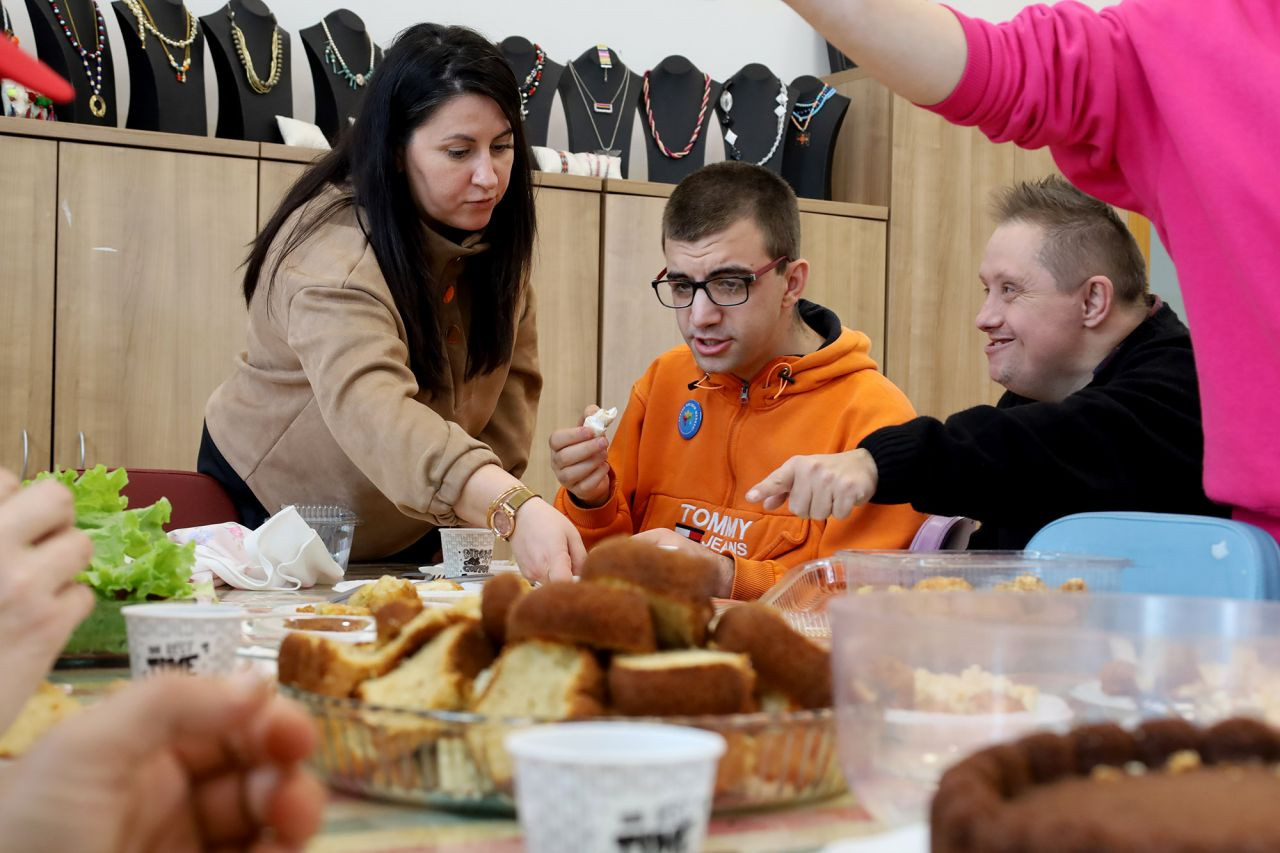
<point>686,451</point>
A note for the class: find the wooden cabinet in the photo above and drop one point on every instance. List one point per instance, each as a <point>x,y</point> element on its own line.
<point>148,302</point>
<point>28,192</point>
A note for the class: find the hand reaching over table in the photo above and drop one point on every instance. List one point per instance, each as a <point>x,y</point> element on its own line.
<point>829,485</point>
<point>174,763</point>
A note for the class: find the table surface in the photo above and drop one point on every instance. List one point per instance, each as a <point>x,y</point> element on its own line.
<point>354,824</point>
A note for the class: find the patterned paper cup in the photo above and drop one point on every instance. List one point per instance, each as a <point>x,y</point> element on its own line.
<point>597,787</point>
<point>467,550</point>
<point>171,636</point>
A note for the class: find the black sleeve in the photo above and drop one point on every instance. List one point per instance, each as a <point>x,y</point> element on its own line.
<point>1134,443</point>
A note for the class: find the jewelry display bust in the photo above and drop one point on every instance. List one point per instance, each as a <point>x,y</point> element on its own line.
<point>678,104</point>
<point>813,126</point>
<point>537,77</point>
<point>753,109</point>
<point>601,99</point>
<point>71,38</point>
<point>251,55</point>
<point>165,50</point>
<point>343,60</point>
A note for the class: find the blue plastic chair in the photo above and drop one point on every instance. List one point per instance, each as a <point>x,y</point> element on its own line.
<point>1173,554</point>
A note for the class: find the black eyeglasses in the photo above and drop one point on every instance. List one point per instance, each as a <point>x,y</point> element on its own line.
<point>725,291</point>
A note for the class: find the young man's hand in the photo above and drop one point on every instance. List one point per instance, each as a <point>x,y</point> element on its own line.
<point>666,538</point>
<point>827,485</point>
<point>580,459</point>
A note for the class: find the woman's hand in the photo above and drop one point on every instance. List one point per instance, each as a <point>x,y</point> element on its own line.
<point>546,545</point>
<point>41,552</point>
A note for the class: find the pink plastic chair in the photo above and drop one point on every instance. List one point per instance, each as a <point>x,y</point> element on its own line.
<point>944,533</point>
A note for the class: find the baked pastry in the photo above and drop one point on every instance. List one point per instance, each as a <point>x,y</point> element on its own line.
<point>330,609</point>
<point>783,660</point>
<point>320,665</point>
<point>438,677</point>
<point>677,586</point>
<point>391,616</point>
<point>47,707</point>
<point>499,595</point>
<point>1166,786</point>
<point>533,680</point>
<point>688,682</point>
<point>585,614</point>
<point>384,589</point>
<point>941,583</point>
<point>439,585</point>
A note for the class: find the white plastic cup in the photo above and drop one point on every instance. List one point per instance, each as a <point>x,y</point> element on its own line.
<point>194,638</point>
<point>614,787</point>
<point>467,550</point>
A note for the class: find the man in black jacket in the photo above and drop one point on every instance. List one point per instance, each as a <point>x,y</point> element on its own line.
<point>1102,410</point>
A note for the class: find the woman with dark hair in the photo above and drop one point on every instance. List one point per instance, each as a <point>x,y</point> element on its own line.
<point>392,358</point>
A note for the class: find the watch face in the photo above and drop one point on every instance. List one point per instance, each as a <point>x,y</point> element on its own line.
<point>503,523</point>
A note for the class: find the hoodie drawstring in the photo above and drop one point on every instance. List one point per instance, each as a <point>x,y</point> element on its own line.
<point>785,377</point>
<point>700,383</point>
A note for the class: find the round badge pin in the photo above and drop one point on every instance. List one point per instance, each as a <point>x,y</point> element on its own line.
<point>690,419</point>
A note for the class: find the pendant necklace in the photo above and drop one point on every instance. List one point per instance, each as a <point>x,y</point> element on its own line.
<point>147,23</point>
<point>803,113</point>
<point>97,105</point>
<point>603,107</point>
<point>532,80</point>
<point>697,125</point>
<point>339,65</point>
<point>256,83</point>
<point>731,137</point>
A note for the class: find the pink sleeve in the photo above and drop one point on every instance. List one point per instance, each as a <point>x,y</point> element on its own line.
<point>1060,76</point>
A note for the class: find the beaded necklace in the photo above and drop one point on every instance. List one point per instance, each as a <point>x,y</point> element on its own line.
<point>146,23</point>
<point>697,125</point>
<point>339,65</point>
<point>256,83</point>
<point>97,104</point>
<point>603,107</point>
<point>803,113</point>
<point>531,80</point>
<point>731,137</point>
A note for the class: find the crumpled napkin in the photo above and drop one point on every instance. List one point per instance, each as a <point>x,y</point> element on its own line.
<point>285,553</point>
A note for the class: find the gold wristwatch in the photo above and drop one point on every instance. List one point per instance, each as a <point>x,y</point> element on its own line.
<point>502,512</point>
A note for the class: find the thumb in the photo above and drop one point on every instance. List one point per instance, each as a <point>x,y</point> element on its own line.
<point>590,410</point>
<point>776,486</point>
<point>560,568</point>
<point>166,709</point>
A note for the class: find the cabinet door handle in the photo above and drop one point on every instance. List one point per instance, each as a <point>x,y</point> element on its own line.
<point>80,435</point>
<point>26,454</point>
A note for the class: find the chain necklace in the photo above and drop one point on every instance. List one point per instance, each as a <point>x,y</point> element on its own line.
<point>803,113</point>
<point>97,105</point>
<point>697,125</point>
<point>146,23</point>
<point>531,80</point>
<point>603,108</point>
<point>256,83</point>
<point>731,137</point>
<point>339,65</point>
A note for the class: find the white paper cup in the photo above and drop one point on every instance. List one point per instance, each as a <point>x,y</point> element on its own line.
<point>606,787</point>
<point>466,550</point>
<point>171,636</point>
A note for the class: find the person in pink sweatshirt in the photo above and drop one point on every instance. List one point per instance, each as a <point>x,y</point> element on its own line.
<point>1170,108</point>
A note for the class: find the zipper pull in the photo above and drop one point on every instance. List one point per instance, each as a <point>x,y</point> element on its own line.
<point>742,397</point>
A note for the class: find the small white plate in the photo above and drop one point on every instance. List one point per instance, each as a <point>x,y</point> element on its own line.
<point>905,839</point>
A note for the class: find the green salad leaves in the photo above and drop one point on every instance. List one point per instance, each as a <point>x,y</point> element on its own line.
<point>133,560</point>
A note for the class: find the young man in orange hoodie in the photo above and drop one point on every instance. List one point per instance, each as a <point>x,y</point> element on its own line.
<point>764,375</point>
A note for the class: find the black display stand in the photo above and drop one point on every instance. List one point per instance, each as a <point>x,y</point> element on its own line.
<point>676,88</point>
<point>806,163</point>
<point>242,112</point>
<point>157,99</point>
<point>337,101</point>
<point>613,129</point>
<point>751,123</point>
<point>521,56</point>
<point>55,50</point>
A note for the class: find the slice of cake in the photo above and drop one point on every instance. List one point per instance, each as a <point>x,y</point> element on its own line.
<point>583,614</point>
<point>687,682</point>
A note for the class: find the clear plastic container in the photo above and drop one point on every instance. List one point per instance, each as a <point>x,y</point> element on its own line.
<point>336,527</point>
<point>803,593</point>
<point>921,681</point>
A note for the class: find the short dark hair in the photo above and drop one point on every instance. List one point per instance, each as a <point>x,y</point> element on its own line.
<point>426,67</point>
<point>716,196</point>
<point>1083,236</point>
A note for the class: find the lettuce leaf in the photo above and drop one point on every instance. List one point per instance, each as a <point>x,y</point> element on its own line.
<point>133,559</point>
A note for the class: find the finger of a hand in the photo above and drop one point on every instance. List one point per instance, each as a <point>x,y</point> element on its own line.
<point>562,438</point>
<point>35,513</point>
<point>843,505</point>
<point>295,812</point>
<point>282,733</point>
<point>593,488</point>
<point>575,478</point>
<point>775,501</point>
<point>584,451</point>
<point>777,484</point>
<point>801,495</point>
<point>820,502</point>
<point>577,552</point>
<point>560,568</point>
<point>58,558</point>
<point>9,483</point>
